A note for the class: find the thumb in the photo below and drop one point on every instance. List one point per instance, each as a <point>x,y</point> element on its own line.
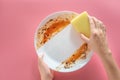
<point>40,58</point>
<point>84,38</point>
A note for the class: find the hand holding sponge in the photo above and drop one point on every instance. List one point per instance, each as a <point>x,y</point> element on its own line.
<point>81,24</point>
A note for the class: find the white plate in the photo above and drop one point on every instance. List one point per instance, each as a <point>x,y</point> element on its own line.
<point>54,57</point>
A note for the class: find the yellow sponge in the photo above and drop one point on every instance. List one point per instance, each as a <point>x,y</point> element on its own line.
<point>81,24</point>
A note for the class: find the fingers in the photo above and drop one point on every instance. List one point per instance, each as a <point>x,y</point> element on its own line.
<point>96,24</point>
<point>92,23</point>
<point>40,58</point>
<point>41,55</point>
<point>84,38</point>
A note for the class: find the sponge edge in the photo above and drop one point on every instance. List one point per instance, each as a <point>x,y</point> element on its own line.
<point>81,24</point>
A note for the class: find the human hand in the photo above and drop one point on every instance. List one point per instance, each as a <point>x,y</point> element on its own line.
<point>97,41</point>
<point>45,72</point>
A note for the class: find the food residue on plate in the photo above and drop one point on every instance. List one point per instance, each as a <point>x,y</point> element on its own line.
<point>52,27</point>
<point>80,53</point>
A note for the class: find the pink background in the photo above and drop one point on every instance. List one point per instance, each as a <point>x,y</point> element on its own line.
<point>19,20</point>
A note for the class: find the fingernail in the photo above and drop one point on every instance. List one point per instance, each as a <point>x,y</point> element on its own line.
<point>41,55</point>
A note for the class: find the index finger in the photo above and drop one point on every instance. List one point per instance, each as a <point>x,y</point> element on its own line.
<point>92,24</point>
